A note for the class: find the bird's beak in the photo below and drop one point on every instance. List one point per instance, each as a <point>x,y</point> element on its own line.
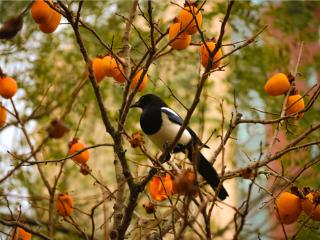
<point>135,105</point>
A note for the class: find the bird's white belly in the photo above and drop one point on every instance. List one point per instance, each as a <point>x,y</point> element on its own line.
<point>167,133</point>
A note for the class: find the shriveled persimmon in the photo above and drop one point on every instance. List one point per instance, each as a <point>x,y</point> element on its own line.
<point>64,204</point>
<point>161,187</point>
<point>311,205</point>
<point>277,85</point>
<point>295,103</point>
<point>76,146</point>
<point>190,16</point>
<point>205,54</point>
<point>180,40</point>
<point>51,25</point>
<point>185,182</point>
<point>288,207</point>
<point>21,234</point>
<point>3,116</point>
<point>41,12</point>
<point>136,79</point>
<point>8,87</point>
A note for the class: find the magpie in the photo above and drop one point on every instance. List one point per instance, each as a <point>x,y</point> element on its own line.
<point>161,124</point>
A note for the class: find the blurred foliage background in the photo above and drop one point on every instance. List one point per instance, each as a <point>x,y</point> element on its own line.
<point>49,68</point>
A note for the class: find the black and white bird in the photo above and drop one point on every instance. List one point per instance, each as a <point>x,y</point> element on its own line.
<point>161,124</point>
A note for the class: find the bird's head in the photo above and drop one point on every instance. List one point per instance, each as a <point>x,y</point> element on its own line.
<point>149,100</point>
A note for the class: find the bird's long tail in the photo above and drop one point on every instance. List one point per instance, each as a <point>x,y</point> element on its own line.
<point>209,174</point>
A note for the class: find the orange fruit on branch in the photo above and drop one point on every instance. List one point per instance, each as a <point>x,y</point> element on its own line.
<point>41,12</point>
<point>205,54</point>
<point>277,85</point>
<point>3,116</point>
<point>98,69</point>
<point>180,40</point>
<point>21,234</point>
<point>64,204</point>
<point>161,187</point>
<point>119,76</point>
<point>8,87</point>
<point>51,25</point>
<point>76,146</point>
<point>189,17</point>
<point>311,205</point>
<point>136,79</point>
<point>109,64</point>
<point>288,207</point>
<point>117,72</point>
<point>295,103</point>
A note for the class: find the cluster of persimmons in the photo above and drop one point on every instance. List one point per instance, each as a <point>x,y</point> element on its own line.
<point>186,24</point>
<point>290,205</point>
<point>280,84</point>
<point>47,18</point>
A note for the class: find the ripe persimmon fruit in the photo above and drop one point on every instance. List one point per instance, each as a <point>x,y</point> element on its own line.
<point>76,146</point>
<point>118,73</point>
<point>41,12</point>
<point>188,17</point>
<point>277,85</point>
<point>161,187</point>
<point>51,25</point>
<point>64,204</point>
<point>288,207</point>
<point>8,87</point>
<point>3,116</point>
<point>311,207</point>
<point>295,103</point>
<point>204,54</point>
<point>119,77</point>
<point>21,234</point>
<point>180,40</point>
<point>136,79</point>
<point>109,64</point>
<point>98,69</point>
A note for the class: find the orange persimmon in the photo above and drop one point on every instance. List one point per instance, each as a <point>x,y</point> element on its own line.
<point>288,207</point>
<point>136,79</point>
<point>109,64</point>
<point>21,234</point>
<point>295,103</point>
<point>277,85</point>
<point>117,72</point>
<point>180,40</point>
<point>3,116</point>
<point>8,87</point>
<point>41,12</point>
<point>98,69</point>
<point>51,25</point>
<point>75,147</point>
<point>311,207</point>
<point>189,17</point>
<point>161,187</point>
<point>64,204</point>
<point>204,54</point>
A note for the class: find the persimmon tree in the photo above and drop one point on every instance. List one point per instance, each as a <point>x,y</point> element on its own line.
<point>74,164</point>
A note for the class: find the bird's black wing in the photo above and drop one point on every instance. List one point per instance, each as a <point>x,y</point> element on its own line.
<point>175,118</point>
